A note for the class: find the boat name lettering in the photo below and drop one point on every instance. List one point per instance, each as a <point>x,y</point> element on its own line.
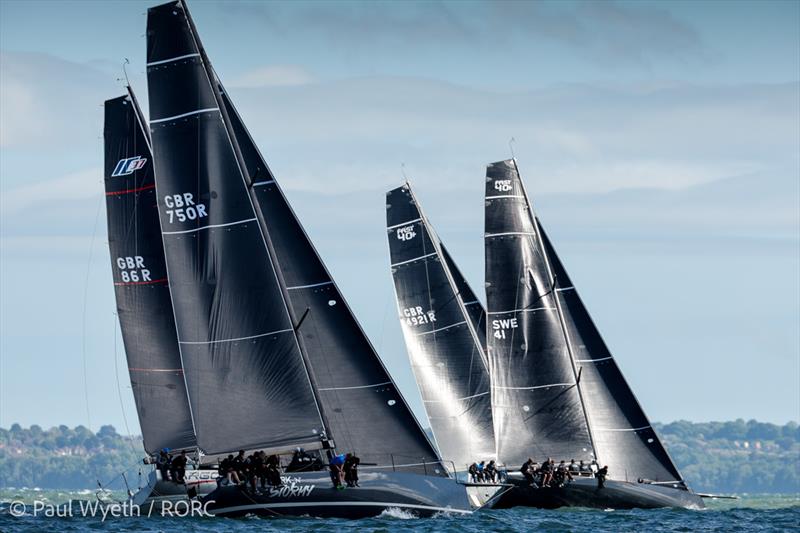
<point>406,233</point>
<point>415,316</point>
<point>502,185</point>
<point>132,269</point>
<point>291,490</point>
<point>183,207</point>
<point>501,325</point>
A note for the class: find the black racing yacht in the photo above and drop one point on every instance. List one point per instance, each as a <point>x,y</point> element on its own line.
<point>444,326</point>
<point>272,356</point>
<point>556,390</point>
<point>144,305</point>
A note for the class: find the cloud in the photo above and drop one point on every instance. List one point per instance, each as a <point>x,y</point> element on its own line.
<point>273,76</point>
<point>75,186</point>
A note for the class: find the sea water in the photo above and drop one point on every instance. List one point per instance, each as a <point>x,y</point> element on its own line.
<point>749,513</point>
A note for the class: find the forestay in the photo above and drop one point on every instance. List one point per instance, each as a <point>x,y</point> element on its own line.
<point>144,306</point>
<point>247,382</point>
<point>536,402</point>
<point>443,327</point>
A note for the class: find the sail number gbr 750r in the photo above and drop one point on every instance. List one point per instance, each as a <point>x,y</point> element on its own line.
<point>182,207</point>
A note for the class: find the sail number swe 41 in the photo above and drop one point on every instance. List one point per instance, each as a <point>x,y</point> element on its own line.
<point>182,207</point>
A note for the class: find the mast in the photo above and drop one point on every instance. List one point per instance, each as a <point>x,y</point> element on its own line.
<point>560,311</point>
<point>226,119</point>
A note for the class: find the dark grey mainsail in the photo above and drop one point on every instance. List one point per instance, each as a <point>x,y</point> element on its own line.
<point>440,315</point>
<point>247,381</point>
<point>623,436</point>
<point>144,306</point>
<point>365,411</point>
<point>360,406</point>
<point>536,401</point>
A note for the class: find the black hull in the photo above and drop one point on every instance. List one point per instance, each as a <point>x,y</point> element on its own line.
<point>312,494</point>
<point>584,492</point>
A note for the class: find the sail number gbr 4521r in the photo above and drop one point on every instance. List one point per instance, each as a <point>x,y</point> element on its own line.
<point>182,207</point>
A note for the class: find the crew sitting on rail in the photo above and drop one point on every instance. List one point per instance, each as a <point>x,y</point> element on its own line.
<point>227,471</point>
<point>528,471</point>
<point>490,472</point>
<point>163,463</point>
<point>473,472</point>
<point>573,468</point>
<point>303,461</point>
<point>178,468</point>
<point>585,469</point>
<point>547,472</point>
<point>562,474</point>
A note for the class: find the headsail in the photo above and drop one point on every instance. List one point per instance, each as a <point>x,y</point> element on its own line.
<point>364,409</point>
<point>536,402</point>
<point>247,381</point>
<point>623,436</point>
<point>445,335</point>
<point>144,306</point>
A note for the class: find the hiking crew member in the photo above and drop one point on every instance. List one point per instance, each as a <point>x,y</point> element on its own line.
<point>547,472</point>
<point>337,470</point>
<point>351,463</point>
<point>601,477</point>
<point>163,463</point>
<point>178,468</point>
<point>473,472</point>
<point>528,471</point>
<point>490,472</point>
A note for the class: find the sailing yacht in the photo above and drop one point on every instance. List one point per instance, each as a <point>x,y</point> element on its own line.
<point>444,329</point>
<point>144,305</point>
<point>273,358</point>
<point>556,389</point>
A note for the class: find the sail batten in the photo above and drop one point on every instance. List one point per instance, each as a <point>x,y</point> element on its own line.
<point>144,305</point>
<point>444,339</point>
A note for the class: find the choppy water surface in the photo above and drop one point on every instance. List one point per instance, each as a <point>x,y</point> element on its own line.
<point>750,513</point>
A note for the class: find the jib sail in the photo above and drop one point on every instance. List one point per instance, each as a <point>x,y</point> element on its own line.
<point>246,378</point>
<point>144,306</point>
<point>536,401</point>
<point>364,410</point>
<point>623,436</point>
<point>442,323</point>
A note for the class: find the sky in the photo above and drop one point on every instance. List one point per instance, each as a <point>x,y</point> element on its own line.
<point>660,142</point>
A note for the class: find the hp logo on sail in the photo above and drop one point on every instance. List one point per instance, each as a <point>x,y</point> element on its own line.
<point>128,166</point>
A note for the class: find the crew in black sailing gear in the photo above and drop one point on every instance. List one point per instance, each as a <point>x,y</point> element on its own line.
<point>227,471</point>
<point>527,471</point>
<point>573,468</point>
<point>473,472</point>
<point>490,472</point>
<point>178,468</point>
<point>163,463</point>
<point>273,466</point>
<point>351,463</point>
<point>547,472</point>
<point>601,477</point>
<point>238,464</point>
<point>584,468</point>
<point>257,470</point>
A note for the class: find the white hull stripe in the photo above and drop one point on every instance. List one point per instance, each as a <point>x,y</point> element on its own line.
<point>190,113</point>
<point>415,259</point>
<point>239,338</point>
<point>386,505</point>
<point>260,183</point>
<point>488,235</point>
<point>565,289</point>
<point>623,429</point>
<point>593,360</point>
<point>536,387</point>
<point>359,386</point>
<point>523,310</point>
<point>505,196</point>
<point>309,286</point>
<point>403,224</point>
<point>209,226</point>
<point>171,59</point>
<point>457,399</point>
<point>442,328</point>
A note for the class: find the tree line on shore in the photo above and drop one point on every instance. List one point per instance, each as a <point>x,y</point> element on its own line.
<point>736,456</point>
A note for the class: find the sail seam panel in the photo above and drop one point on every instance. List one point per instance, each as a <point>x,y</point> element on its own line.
<point>593,360</point>
<point>190,113</point>
<point>414,259</point>
<point>239,338</point>
<point>210,226</point>
<point>310,286</point>
<point>358,386</point>
<point>171,59</point>
<point>260,183</point>
<point>487,235</point>
<point>622,429</point>
<point>536,387</point>
<point>522,310</point>
<point>457,399</point>
<point>442,328</point>
<point>403,224</point>
<point>505,196</point>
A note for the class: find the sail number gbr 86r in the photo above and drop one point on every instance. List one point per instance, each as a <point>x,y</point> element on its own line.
<point>182,207</point>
